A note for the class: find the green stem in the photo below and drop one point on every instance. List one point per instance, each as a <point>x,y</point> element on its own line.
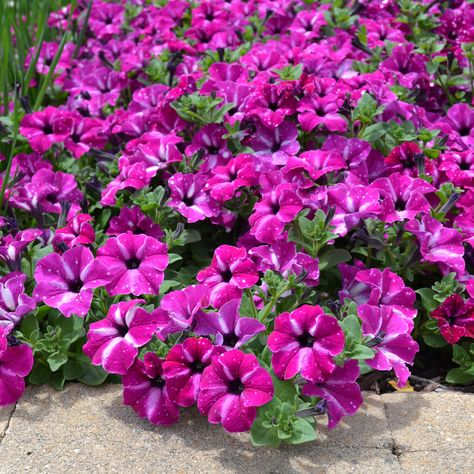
<point>253,308</point>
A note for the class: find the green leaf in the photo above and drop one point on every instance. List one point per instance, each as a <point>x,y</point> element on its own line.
<point>263,436</point>
<point>303,432</point>
<point>74,369</point>
<point>57,380</point>
<point>167,285</point>
<point>28,325</point>
<point>94,376</point>
<point>56,360</point>
<point>351,326</point>
<point>434,340</point>
<point>374,132</point>
<point>40,374</point>
<point>333,257</point>
<point>459,376</point>
<point>361,352</point>
<point>461,356</point>
<point>427,299</point>
<point>174,257</point>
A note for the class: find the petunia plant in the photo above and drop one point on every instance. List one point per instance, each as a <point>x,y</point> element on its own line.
<point>253,208</point>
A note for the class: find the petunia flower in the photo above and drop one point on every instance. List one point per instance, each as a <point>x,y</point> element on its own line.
<point>390,339</point>
<point>229,328</point>
<point>352,204</point>
<point>78,231</point>
<point>16,363</point>
<point>230,272</point>
<point>145,389</point>
<point>14,302</point>
<point>378,287</point>
<point>455,318</point>
<point>231,389</point>
<point>135,264</point>
<point>305,341</point>
<point>113,342</point>
<point>183,368</point>
<point>189,198</point>
<point>179,309</point>
<point>132,219</point>
<point>44,128</point>
<point>273,212</point>
<point>12,248</point>
<point>439,244</point>
<point>67,281</point>
<point>340,391</point>
<point>404,197</point>
<point>275,145</point>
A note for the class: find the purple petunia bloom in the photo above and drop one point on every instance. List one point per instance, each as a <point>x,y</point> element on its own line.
<point>305,341</point>
<point>135,264</point>
<point>113,341</point>
<point>229,328</point>
<point>135,221</point>
<point>189,198</point>
<point>439,244</point>
<point>183,368</point>
<point>340,391</point>
<point>16,363</point>
<point>273,212</point>
<point>352,204</point>
<point>375,287</point>
<point>231,389</point>
<point>67,281</point>
<point>45,128</point>
<point>390,339</point>
<point>230,272</point>
<point>145,389</point>
<point>14,302</point>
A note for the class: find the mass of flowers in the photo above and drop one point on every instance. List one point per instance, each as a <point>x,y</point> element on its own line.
<point>243,205</point>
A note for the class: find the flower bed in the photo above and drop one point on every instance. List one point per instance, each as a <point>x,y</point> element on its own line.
<point>246,206</point>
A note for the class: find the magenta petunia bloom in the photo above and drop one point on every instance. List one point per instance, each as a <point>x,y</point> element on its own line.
<point>12,248</point>
<point>404,197</point>
<point>135,264</point>
<point>113,341</point>
<point>229,328</point>
<point>390,339</point>
<point>352,204</point>
<point>179,309</point>
<point>14,302</point>
<point>226,180</point>
<point>16,363</point>
<point>132,176</point>
<point>305,341</point>
<point>275,145</point>
<point>145,389</point>
<point>45,128</point>
<point>455,318</point>
<point>340,391</point>
<point>230,272</point>
<point>67,281</point>
<point>183,368</point>
<point>439,244</point>
<point>376,287</point>
<point>78,231</point>
<point>231,389</point>
<point>189,198</point>
<point>273,212</point>
<point>135,221</point>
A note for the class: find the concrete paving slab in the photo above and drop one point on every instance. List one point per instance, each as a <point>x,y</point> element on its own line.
<point>88,430</point>
<point>439,421</point>
<point>5,414</point>
<point>448,461</point>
